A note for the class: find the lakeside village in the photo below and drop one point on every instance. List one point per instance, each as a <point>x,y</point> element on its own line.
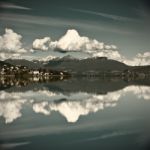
<point>7,70</point>
<point>21,75</point>
<point>23,71</point>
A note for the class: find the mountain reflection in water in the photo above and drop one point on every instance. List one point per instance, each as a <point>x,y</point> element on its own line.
<point>71,98</point>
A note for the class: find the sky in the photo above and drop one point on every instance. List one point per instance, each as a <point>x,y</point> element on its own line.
<point>118,29</point>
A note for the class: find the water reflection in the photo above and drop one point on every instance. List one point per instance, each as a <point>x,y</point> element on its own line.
<point>70,102</point>
<point>7,82</point>
<point>74,113</point>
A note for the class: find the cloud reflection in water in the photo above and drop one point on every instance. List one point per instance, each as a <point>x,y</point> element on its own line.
<point>70,106</point>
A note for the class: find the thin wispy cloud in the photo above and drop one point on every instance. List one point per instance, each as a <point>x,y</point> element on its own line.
<point>105,15</point>
<point>59,22</point>
<point>13,145</point>
<point>106,136</point>
<point>12,6</point>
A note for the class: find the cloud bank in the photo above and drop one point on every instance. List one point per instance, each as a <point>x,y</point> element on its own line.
<point>140,59</point>
<point>71,41</point>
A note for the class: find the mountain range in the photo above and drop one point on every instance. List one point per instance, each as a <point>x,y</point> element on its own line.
<point>73,65</point>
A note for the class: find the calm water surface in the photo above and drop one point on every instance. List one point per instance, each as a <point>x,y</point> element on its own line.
<point>75,114</point>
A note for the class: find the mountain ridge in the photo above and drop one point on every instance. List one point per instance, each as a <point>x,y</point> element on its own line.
<point>73,65</point>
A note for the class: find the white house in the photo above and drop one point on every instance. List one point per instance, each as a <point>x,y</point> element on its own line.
<point>35,72</point>
<point>61,73</point>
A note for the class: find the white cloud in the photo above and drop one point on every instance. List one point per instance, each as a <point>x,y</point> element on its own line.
<point>72,41</point>
<point>47,58</point>
<point>32,50</point>
<point>11,45</point>
<point>41,44</point>
<point>110,54</point>
<point>139,59</point>
<point>10,41</point>
<point>4,56</point>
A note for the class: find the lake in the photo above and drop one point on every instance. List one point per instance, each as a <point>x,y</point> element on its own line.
<point>75,113</point>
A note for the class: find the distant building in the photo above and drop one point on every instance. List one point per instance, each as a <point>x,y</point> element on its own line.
<point>36,72</point>
<point>46,74</point>
<point>61,73</point>
<point>102,58</point>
